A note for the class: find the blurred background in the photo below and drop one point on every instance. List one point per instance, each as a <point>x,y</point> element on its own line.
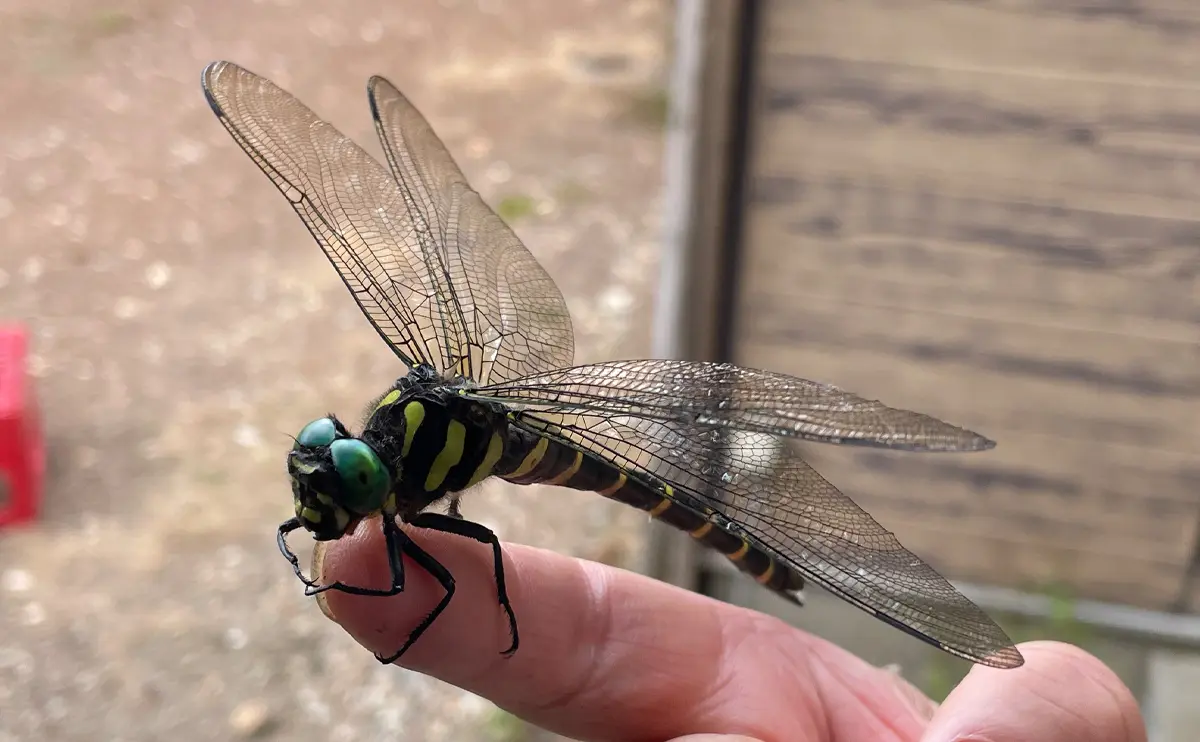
<point>984,211</point>
<point>183,322</point>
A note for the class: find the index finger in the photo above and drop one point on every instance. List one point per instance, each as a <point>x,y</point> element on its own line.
<point>604,653</point>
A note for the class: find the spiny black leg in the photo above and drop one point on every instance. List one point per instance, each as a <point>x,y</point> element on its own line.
<point>483,534</point>
<point>440,573</point>
<point>453,510</point>
<point>285,528</point>
<point>392,539</point>
<point>312,588</point>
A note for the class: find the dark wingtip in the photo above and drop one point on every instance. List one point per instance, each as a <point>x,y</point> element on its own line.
<point>1008,658</point>
<point>983,444</point>
<point>211,70</point>
<point>372,85</point>
<point>376,81</point>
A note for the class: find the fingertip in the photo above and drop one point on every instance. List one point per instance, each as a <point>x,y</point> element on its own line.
<point>1061,693</point>
<point>1115,701</point>
<point>383,624</point>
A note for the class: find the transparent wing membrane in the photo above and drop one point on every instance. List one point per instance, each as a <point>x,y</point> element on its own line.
<point>439,275</point>
<point>715,433</point>
<point>505,316</point>
<point>724,395</point>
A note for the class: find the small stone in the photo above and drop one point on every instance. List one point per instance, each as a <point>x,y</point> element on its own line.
<point>250,719</point>
<point>617,300</point>
<point>247,435</point>
<point>601,64</point>
<point>236,638</point>
<point>37,365</point>
<point>158,274</point>
<point>16,580</point>
<point>188,151</point>
<point>32,269</point>
<point>33,614</point>
<point>498,173</point>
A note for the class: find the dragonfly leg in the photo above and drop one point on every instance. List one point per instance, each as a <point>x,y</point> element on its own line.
<point>453,509</point>
<point>285,528</point>
<point>392,537</point>
<point>426,562</point>
<point>482,534</point>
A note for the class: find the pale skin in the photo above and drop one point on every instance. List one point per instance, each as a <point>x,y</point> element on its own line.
<point>607,654</point>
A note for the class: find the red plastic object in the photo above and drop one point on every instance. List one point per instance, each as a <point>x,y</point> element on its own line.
<point>22,456</point>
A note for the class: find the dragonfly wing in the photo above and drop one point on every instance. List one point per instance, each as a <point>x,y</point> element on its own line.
<point>504,316</point>
<point>725,395</point>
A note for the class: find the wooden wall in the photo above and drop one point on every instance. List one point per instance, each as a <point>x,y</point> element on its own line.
<point>989,211</point>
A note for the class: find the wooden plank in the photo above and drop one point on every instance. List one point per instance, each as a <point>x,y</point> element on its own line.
<point>1110,145</point>
<point>984,135</point>
<point>1142,392</point>
<point>1153,40</point>
<point>892,242</point>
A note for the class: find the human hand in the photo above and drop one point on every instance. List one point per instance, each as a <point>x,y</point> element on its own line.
<point>611,655</point>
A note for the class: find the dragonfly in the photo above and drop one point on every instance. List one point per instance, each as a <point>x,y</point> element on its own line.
<point>490,390</point>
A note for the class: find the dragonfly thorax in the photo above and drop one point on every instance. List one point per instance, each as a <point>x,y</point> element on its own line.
<point>435,439</point>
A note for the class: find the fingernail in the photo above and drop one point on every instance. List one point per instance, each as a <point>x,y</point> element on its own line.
<point>318,573</point>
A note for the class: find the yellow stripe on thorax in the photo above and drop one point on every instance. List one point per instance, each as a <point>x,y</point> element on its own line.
<point>531,459</point>
<point>414,413</point>
<point>448,457</point>
<point>741,553</point>
<point>388,399</point>
<point>495,450</point>
<point>568,472</point>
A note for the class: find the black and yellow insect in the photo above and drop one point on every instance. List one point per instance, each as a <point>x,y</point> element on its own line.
<point>490,391</point>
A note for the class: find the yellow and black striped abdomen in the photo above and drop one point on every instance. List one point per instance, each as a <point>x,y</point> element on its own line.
<point>532,459</point>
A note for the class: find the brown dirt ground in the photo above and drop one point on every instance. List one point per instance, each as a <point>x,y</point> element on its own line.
<point>183,322</point>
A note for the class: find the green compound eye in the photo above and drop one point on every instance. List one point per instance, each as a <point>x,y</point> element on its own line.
<point>317,433</point>
<point>365,480</point>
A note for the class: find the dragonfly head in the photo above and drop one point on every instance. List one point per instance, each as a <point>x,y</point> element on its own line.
<point>336,479</point>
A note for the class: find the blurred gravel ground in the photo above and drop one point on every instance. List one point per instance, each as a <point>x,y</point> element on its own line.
<point>184,322</point>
